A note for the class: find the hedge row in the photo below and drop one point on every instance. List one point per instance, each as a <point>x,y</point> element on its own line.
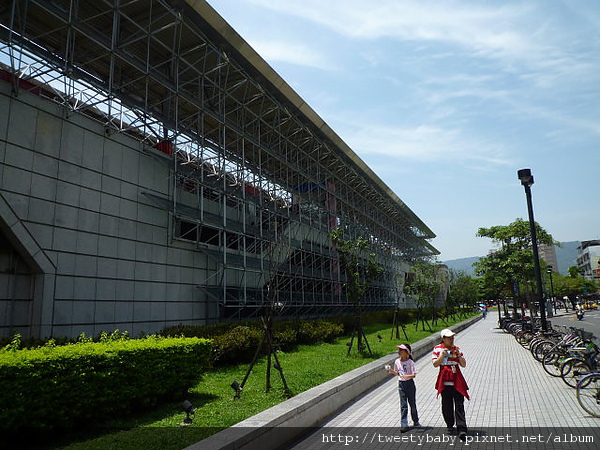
<point>234,344</point>
<point>63,386</point>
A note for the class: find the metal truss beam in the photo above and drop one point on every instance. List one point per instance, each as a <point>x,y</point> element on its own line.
<point>173,70</point>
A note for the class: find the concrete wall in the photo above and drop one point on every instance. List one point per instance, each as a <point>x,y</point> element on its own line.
<point>97,252</point>
<point>88,242</point>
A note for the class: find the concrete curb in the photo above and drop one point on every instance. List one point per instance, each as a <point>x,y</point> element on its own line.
<point>284,422</point>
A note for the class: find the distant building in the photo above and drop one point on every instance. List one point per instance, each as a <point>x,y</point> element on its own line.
<point>548,254</point>
<point>442,275</point>
<point>588,259</point>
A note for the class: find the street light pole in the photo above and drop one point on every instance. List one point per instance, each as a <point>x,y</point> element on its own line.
<point>527,180</point>
<point>550,270</point>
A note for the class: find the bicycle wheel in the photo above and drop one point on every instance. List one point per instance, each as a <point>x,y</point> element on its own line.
<point>588,394</point>
<point>534,343</point>
<point>552,362</point>
<point>513,328</point>
<point>542,348</point>
<point>524,337</point>
<point>573,370</point>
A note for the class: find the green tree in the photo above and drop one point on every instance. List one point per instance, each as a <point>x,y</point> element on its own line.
<point>512,263</point>
<point>360,269</point>
<point>574,271</point>
<point>424,284</point>
<point>464,290</point>
<point>573,285</point>
<point>357,263</point>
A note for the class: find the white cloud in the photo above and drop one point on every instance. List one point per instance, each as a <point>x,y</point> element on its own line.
<point>440,93</point>
<point>512,33</point>
<point>292,53</point>
<point>482,29</point>
<point>489,93</point>
<point>426,143</point>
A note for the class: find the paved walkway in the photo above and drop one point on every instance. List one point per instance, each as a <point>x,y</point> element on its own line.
<point>509,391</point>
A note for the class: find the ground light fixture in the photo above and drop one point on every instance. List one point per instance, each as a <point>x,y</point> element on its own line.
<point>189,410</point>
<point>237,388</point>
<point>527,181</point>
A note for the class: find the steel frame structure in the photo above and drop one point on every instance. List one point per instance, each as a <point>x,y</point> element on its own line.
<point>258,179</point>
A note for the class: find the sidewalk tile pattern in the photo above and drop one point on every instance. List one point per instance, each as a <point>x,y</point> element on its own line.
<point>508,389</point>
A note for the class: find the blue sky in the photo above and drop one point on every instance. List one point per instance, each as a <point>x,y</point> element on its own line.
<point>446,100</point>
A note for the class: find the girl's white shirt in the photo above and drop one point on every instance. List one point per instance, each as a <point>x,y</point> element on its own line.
<point>407,367</point>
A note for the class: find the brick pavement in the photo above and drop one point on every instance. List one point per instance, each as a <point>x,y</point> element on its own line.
<point>508,389</point>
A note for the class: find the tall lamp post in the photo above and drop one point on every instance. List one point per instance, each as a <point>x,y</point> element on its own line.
<point>550,270</point>
<point>527,180</point>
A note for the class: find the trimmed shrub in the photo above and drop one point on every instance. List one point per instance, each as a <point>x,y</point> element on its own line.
<point>235,346</point>
<point>235,343</point>
<point>285,339</point>
<point>62,386</point>
<point>318,331</point>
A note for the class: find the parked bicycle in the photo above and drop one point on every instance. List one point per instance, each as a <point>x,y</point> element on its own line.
<point>574,345</point>
<point>588,393</point>
<point>570,354</point>
<point>583,362</point>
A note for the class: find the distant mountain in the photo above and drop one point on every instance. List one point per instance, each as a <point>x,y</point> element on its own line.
<point>565,255</point>
<point>462,264</point>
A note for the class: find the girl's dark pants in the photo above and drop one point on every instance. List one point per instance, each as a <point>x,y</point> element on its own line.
<point>453,406</point>
<point>408,396</point>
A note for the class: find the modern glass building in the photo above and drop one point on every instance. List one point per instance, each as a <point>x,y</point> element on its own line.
<point>155,171</point>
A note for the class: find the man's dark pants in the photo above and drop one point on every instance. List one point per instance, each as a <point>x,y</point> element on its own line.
<point>453,406</point>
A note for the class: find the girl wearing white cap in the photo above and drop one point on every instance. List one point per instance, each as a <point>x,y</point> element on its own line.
<point>451,383</point>
<point>405,369</point>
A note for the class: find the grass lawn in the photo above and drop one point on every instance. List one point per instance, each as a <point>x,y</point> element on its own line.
<point>212,397</point>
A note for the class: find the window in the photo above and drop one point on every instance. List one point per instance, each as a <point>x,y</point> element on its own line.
<point>196,232</point>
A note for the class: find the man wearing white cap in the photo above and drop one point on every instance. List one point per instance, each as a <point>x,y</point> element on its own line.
<point>451,383</point>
